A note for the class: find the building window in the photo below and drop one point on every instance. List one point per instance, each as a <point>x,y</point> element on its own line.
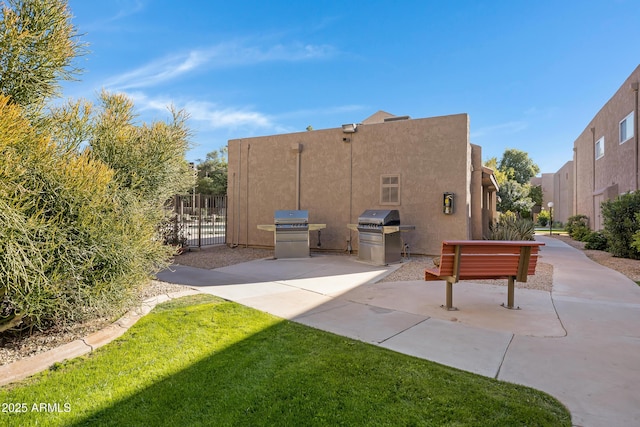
<point>600,148</point>
<point>626,128</point>
<point>390,190</point>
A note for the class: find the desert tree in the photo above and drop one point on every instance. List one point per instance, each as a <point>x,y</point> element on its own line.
<point>38,45</point>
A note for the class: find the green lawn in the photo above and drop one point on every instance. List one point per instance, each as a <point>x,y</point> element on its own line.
<point>204,361</point>
<point>554,230</point>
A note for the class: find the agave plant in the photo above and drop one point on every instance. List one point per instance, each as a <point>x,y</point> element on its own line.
<point>511,227</point>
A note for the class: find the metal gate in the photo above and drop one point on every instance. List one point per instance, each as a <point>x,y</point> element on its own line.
<point>201,219</point>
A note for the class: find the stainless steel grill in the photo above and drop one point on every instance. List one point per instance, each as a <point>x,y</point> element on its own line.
<point>374,245</point>
<point>291,233</point>
<point>375,219</point>
<point>379,239</point>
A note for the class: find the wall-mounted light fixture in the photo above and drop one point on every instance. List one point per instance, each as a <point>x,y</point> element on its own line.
<point>349,128</point>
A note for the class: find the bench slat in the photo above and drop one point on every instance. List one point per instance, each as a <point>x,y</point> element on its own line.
<point>485,259</point>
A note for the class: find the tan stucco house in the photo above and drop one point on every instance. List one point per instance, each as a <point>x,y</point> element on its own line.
<point>605,159</point>
<point>606,152</point>
<point>558,188</point>
<point>385,162</point>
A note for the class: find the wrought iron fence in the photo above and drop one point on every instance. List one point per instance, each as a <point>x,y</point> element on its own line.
<point>199,219</point>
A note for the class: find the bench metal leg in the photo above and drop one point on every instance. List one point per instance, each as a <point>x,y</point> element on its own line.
<point>510,292</point>
<point>449,305</point>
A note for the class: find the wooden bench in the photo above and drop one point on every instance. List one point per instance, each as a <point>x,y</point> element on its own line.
<point>485,259</point>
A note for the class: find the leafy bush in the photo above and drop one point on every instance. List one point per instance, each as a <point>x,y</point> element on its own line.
<point>80,193</point>
<point>578,227</point>
<point>149,159</point>
<point>621,223</point>
<point>636,236</point>
<point>596,240</point>
<point>510,227</point>
<point>75,242</point>
<point>543,218</point>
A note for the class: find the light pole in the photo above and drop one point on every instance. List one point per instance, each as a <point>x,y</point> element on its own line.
<point>550,204</point>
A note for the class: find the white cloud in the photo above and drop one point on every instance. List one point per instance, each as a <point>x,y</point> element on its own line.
<point>500,129</point>
<point>545,113</point>
<point>112,14</point>
<point>158,71</point>
<point>129,8</point>
<point>215,117</point>
<point>222,55</point>
<point>208,114</point>
<point>314,112</point>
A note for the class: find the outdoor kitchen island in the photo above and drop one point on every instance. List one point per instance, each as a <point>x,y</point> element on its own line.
<point>291,233</point>
<point>379,240</point>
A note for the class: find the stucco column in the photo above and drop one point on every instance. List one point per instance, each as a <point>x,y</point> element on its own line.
<point>476,192</point>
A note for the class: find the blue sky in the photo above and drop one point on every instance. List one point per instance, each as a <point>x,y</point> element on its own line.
<point>530,74</point>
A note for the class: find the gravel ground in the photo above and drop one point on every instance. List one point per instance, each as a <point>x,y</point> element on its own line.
<point>221,256</point>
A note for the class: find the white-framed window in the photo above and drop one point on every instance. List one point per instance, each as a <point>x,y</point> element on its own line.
<point>390,189</point>
<point>600,148</point>
<point>626,128</point>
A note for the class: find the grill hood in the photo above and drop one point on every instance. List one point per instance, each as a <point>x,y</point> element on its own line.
<point>380,217</point>
<point>283,217</point>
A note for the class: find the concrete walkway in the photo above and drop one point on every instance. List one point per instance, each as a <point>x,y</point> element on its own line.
<point>581,343</point>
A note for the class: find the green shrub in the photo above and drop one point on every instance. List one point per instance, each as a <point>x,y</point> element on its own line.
<point>80,193</point>
<point>149,159</point>
<point>621,223</point>
<point>76,243</point>
<point>581,234</point>
<point>510,227</point>
<point>596,240</point>
<point>636,236</point>
<point>543,218</point>
<point>578,227</point>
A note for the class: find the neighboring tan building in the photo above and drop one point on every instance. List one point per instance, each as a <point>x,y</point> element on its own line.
<point>563,193</point>
<point>558,188</point>
<point>386,162</point>
<point>545,181</point>
<point>606,153</point>
<point>605,159</point>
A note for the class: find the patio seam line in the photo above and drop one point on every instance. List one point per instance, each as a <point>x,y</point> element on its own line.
<point>555,309</point>
<point>385,308</point>
<point>293,287</point>
<point>585,300</point>
<point>504,355</point>
<point>404,330</point>
<point>326,310</point>
<point>299,276</point>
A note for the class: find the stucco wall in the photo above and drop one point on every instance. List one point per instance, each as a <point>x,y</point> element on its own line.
<point>340,178</point>
<point>615,172</point>
<point>545,180</point>
<point>563,199</point>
